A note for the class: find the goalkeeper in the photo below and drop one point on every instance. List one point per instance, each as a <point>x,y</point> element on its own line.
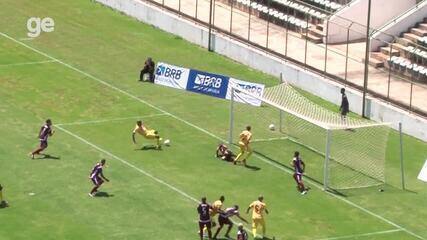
<point>224,153</point>
<point>147,133</point>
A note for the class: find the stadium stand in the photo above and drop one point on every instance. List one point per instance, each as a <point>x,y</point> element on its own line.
<point>407,55</point>
<point>299,16</point>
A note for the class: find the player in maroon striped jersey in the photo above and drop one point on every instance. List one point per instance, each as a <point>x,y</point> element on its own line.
<point>299,167</point>
<point>97,177</point>
<point>45,132</point>
<point>203,209</point>
<point>224,219</point>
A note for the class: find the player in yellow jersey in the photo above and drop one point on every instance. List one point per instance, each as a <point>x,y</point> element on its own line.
<point>216,206</point>
<point>244,140</point>
<point>258,207</point>
<point>147,133</point>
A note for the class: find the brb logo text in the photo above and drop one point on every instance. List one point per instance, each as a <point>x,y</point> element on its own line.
<point>208,81</point>
<point>168,72</point>
<point>36,25</point>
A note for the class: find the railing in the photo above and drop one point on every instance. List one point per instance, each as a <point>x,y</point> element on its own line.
<point>342,62</point>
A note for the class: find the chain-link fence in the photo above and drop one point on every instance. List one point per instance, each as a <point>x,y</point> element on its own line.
<point>309,34</point>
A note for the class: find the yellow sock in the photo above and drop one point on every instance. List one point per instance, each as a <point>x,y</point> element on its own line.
<point>238,156</point>
<point>254,232</point>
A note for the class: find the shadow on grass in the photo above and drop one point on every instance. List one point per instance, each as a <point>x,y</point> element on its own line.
<point>103,194</point>
<point>149,147</point>
<point>47,157</point>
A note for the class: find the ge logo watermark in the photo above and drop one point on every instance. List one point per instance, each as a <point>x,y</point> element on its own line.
<point>36,25</point>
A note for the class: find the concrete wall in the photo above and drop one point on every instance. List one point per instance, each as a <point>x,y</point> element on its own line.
<point>382,11</point>
<point>260,60</point>
<point>399,25</point>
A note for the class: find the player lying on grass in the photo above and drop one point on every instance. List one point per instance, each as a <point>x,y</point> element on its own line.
<point>97,177</point>
<point>224,219</point>
<point>3,203</point>
<point>224,153</point>
<point>45,132</point>
<point>299,167</point>
<point>147,133</point>
<point>245,138</point>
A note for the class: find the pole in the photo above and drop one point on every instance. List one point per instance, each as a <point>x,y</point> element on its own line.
<point>197,5</point>
<point>231,17</point>
<point>268,23</point>
<point>210,26</point>
<point>230,132</point>
<point>346,52</point>
<point>306,44</point>
<point>326,164</point>
<point>280,110</point>
<point>402,171</point>
<point>249,22</point>
<point>326,46</point>
<point>365,78</point>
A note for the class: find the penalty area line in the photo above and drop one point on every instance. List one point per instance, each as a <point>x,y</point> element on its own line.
<point>362,235</point>
<point>202,130</point>
<point>110,120</point>
<point>27,63</point>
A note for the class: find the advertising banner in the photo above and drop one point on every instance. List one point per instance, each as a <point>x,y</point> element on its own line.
<point>207,83</point>
<point>171,76</point>
<point>254,88</point>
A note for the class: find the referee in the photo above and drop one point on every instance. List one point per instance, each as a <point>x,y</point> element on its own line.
<point>344,108</point>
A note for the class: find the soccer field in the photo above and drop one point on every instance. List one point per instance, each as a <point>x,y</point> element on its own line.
<point>83,76</point>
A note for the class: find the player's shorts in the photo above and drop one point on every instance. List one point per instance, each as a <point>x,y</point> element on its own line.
<point>344,112</point>
<point>97,181</point>
<point>298,177</point>
<point>150,134</point>
<point>258,222</point>
<point>243,147</point>
<point>43,144</point>
<point>207,224</point>
<point>224,220</point>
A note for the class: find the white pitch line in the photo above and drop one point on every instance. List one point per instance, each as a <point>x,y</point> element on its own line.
<point>207,132</point>
<point>362,235</point>
<point>269,139</point>
<point>129,164</point>
<point>26,63</point>
<point>133,166</point>
<point>110,120</point>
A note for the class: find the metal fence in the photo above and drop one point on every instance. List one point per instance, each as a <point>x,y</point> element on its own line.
<point>339,55</point>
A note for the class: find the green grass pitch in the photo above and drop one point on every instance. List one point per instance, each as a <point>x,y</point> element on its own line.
<point>152,193</point>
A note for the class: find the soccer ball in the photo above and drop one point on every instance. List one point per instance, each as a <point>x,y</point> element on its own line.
<point>167,142</point>
<point>272,127</point>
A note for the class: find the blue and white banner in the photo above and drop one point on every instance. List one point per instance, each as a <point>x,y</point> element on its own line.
<point>207,83</point>
<point>171,76</point>
<point>253,88</point>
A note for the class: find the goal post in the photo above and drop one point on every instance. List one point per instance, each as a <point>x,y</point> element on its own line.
<point>339,153</point>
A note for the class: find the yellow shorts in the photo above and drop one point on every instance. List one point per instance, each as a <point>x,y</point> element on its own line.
<point>244,147</point>
<point>150,134</point>
<point>258,221</point>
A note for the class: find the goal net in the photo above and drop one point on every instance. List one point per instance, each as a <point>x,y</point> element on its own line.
<point>339,153</point>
